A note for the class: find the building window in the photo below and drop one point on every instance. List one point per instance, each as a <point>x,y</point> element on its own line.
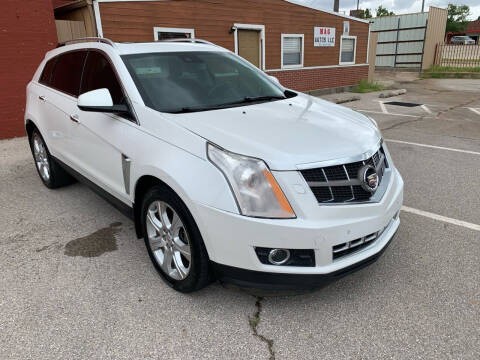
<point>348,46</point>
<point>292,50</point>
<point>161,33</point>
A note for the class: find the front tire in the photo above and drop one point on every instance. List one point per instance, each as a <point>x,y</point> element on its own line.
<point>51,173</point>
<point>173,241</point>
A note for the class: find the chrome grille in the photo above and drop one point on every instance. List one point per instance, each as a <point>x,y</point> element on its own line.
<point>341,183</point>
<point>353,246</point>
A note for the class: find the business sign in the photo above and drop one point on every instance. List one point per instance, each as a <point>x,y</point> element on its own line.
<point>324,36</point>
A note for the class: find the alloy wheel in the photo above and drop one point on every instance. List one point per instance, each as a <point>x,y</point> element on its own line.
<point>168,239</point>
<point>41,157</point>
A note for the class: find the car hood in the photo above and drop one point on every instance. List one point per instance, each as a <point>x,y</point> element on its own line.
<point>287,134</point>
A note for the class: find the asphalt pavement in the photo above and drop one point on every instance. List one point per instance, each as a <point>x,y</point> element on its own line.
<point>76,283</point>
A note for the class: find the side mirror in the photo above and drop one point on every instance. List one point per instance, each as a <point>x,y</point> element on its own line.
<point>275,80</point>
<point>100,100</point>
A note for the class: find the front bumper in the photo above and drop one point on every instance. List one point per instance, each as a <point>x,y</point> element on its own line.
<point>281,281</point>
<point>231,238</point>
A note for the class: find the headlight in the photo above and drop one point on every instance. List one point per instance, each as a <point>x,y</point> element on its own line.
<point>254,187</point>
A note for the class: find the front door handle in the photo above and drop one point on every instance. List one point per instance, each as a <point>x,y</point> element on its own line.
<point>41,98</point>
<point>74,118</point>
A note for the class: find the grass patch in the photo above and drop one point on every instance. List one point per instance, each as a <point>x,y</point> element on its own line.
<point>453,69</point>
<point>365,86</point>
<point>475,61</point>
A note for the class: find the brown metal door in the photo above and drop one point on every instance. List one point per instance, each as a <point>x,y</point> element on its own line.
<point>249,45</point>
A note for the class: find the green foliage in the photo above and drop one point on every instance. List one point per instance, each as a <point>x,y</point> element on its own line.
<point>367,14</point>
<point>451,69</point>
<point>457,18</point>
<point>364,87</point>
<point>381,11</point>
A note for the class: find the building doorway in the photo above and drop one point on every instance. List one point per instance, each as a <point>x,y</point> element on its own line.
<point>249,46</point>
<point>250,43</point>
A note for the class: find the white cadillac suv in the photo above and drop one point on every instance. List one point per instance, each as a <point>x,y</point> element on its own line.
<point>226,174</point>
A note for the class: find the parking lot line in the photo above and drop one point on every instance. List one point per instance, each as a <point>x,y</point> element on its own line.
<point>433,147</point>
<point>441,218</point>
<point>383,113</point>
<point>425,108</point>
<point>383,107</point>
<point>475,110</point>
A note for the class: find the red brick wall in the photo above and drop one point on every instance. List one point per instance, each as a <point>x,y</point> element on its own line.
<point>27,31</point>
<point>320,78</point>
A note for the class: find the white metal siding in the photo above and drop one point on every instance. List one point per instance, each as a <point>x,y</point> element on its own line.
<point>392,23</point>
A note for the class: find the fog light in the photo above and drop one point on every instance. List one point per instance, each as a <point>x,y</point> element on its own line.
<point>278,256</point>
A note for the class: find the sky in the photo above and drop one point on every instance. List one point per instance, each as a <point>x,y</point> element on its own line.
<point>397,6</point>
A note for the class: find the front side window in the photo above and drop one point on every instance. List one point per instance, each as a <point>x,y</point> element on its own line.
<point>68,71</point>
<point>198,81</point>
<point>347,50</point>
<point>98,74</point>
<point>292,50</point>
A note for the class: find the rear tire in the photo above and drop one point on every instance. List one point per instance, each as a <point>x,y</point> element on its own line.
<point>173,241</point>
<point>51,173</point>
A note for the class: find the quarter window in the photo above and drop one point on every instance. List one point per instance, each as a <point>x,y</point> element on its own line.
<point>347,49</point>
<point>47,72</point>
<point>68,71</point>
<point>98,74</point>
<point>292,50</point>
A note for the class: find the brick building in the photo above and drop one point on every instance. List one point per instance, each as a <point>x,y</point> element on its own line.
<point>304,47</point>
<point>27,31</point>
<point>473,30</point>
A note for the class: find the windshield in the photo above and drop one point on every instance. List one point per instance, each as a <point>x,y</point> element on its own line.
<point>197,81</point>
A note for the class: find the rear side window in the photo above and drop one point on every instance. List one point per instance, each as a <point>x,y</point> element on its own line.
<point>47,72</point>
<point>68,72</point>
<point>98,74</point>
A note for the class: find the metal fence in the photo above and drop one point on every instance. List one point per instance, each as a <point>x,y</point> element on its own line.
<point>457,55</point>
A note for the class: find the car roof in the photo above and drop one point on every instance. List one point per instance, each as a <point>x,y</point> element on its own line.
<point>165,46</point>
<point>175,45</point>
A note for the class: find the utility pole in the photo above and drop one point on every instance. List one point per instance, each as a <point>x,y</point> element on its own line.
<point>336,5</point>
<point>423,5</point>
<point>358,4</point>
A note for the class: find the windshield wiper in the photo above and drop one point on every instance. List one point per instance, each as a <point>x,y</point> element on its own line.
<point>262,98</point>
<point>245,100</point>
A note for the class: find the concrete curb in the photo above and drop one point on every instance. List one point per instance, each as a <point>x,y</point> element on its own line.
<point>346,99</point>
<point>392,93</point>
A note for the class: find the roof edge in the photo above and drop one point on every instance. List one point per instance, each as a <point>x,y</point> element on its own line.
<point>296,2</point>
<point>74,4</point>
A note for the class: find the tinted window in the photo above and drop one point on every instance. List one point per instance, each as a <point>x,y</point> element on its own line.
<point>68,71</point>
<point>99,74</point>
<point>47,72</point>
<point>196,81</point>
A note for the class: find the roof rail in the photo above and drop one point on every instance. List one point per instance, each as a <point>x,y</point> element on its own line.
<point>87,39</point>
<point>190,40</point>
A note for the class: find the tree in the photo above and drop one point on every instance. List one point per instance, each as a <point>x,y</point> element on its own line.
<point>366,14</point>
<point>381,11</point>
<point>457,17</point>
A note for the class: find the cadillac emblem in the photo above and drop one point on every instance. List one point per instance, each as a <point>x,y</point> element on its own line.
<point>368,178</point>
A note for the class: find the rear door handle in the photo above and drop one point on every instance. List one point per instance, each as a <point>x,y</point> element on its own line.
<point>74,118</point>
<point>42,98</point>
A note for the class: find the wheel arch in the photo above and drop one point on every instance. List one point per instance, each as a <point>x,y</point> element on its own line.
<point>29,127</point>
<point>142,185</point>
